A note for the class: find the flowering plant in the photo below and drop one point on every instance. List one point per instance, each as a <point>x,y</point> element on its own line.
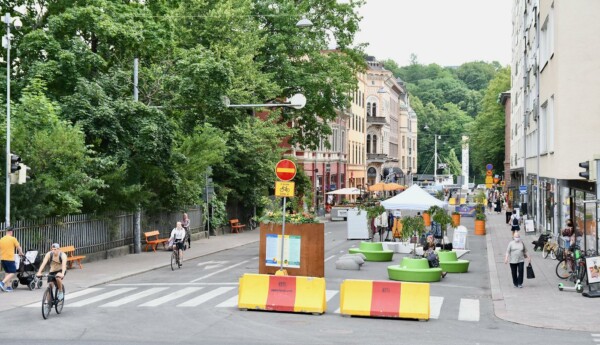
<point>290,218</point>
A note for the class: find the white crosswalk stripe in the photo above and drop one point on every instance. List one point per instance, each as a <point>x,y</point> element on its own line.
<point>134,297</point>
<point>69,296</point>
<point>99,298</point>
<point>469,310</point>
<point>170,297</point>
<point>435,306</point>
<point>194,302</point>
<point>225,296</point>
<point>596,337</point>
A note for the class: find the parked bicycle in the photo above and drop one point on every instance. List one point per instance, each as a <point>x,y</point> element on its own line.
<point>51,299</point>
<point>572,267</point>
<point>251,222</point>
<point>550,248</point>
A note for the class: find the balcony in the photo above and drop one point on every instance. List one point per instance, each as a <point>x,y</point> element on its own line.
<point>376,120</point>
<point>377,157</point>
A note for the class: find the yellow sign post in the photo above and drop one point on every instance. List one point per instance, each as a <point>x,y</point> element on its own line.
<point>284,189</point>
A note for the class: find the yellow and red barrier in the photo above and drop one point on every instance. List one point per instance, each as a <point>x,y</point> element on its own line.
<point>282,293</point>
<point>385,299</point>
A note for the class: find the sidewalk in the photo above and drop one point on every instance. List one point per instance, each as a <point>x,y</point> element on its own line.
<point>539,303</point>
<point>104,271</point>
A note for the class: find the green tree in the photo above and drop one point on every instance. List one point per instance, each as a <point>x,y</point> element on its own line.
<point>61,181</point>
<point>487,134</point>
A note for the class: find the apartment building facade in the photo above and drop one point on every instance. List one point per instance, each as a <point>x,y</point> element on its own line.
<point>554,120</point>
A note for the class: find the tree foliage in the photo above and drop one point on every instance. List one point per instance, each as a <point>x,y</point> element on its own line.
<point>74,60</point>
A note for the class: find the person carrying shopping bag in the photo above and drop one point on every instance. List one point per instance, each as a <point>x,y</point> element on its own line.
<point>516,253</point>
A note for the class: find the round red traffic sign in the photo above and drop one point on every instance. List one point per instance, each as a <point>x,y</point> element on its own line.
<point>285,170</point>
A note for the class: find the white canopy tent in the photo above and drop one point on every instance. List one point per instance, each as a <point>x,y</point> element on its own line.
<point>345,191</point>
<point>414,198</point>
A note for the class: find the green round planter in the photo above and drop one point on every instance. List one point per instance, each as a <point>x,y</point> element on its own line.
<point>450,263</point>
<point>414,270</point>
<point>370,255</point>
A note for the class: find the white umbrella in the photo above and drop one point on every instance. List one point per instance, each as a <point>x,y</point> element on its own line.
<point>346,191</point>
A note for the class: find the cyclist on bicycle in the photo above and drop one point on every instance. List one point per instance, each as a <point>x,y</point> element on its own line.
<point>58,267</point>
<point>178,235</point>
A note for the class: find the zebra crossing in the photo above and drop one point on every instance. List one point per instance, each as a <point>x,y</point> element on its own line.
<point>218,296</point>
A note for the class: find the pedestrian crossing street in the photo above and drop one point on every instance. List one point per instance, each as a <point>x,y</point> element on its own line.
<point>217,296</point>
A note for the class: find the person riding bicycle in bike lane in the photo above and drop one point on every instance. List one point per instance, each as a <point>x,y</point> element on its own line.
<point>178,235</point>
<point>8,244</point>
<point>58,267</point>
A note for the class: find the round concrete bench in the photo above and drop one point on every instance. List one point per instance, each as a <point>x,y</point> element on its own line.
<point>450,263</point>
<point>414,270</point>
<point>373,251</point>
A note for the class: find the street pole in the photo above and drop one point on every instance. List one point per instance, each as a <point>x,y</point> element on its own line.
<point>435,161</point>
<point>137,231</point>
<point>8,20</point>
<point>281,270</point>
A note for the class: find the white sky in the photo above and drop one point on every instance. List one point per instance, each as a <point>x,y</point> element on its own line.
<point>446,32</point>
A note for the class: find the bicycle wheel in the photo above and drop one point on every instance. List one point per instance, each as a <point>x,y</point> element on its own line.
<point>545,251</point>
<point>60,303</point>
<point>563,270</point>
<point>47,303</point>
<point>173,260</point>
<point>553,253</point>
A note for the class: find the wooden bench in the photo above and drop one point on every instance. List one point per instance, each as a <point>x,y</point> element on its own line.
<point>236,226</point>
<point>152,240</point>
<point>71,257</point>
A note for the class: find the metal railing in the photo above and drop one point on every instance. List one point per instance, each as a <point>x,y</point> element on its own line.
<point>91,233</point>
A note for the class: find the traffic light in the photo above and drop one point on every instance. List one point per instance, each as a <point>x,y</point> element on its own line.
<point>590,170</point>
<point>14,163</point>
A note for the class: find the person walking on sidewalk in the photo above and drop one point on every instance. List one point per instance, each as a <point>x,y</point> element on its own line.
<point>514,222</point>
<point>516,254</point>
<point>186,225</point>
<point>8,244</point>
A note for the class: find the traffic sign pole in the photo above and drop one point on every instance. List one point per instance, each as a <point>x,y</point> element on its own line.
<point>281,271</point>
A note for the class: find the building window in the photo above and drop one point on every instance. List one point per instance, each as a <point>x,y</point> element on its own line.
<point>550,124</point>
<point>547,38</point>
<point>369,143</point>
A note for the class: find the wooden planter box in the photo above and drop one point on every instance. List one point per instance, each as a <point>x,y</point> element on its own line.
<point>312,249</point>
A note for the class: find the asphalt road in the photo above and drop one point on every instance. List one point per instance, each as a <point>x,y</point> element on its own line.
<point>197,304</point>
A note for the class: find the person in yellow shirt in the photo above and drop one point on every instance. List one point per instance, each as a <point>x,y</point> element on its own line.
<point>8,244</point>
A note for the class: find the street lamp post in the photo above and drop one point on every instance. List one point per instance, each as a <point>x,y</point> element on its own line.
<point>435,156</point>
<point>8,20</point>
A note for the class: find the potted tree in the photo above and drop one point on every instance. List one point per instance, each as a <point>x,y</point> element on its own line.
<point>441,217</point>
<point>480,213</point>
<point>412,228</point>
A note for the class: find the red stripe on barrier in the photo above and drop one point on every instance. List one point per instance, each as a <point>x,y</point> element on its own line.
<point>386,299</point>
<point>282,293</point>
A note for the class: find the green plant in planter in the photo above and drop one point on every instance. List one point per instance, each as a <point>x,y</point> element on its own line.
<point>480,216</point>
<point>440,216</point>
<point>413,226</point>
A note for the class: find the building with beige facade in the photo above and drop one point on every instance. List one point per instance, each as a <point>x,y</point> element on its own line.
<point>357,129</point>
<point>555,107</point>
<point>391,133</point>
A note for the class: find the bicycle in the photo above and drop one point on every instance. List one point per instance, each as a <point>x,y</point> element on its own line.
<point>50,298</point>
<point>550,248</point>
<point>572,267</point>
<point>252,224</point>
<point>175,261</point>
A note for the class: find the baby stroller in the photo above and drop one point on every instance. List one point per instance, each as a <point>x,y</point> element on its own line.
<point>28,267</point>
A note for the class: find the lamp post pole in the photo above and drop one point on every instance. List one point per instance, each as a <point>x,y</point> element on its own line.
<point>7,19</point>
<point>435,160</point>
